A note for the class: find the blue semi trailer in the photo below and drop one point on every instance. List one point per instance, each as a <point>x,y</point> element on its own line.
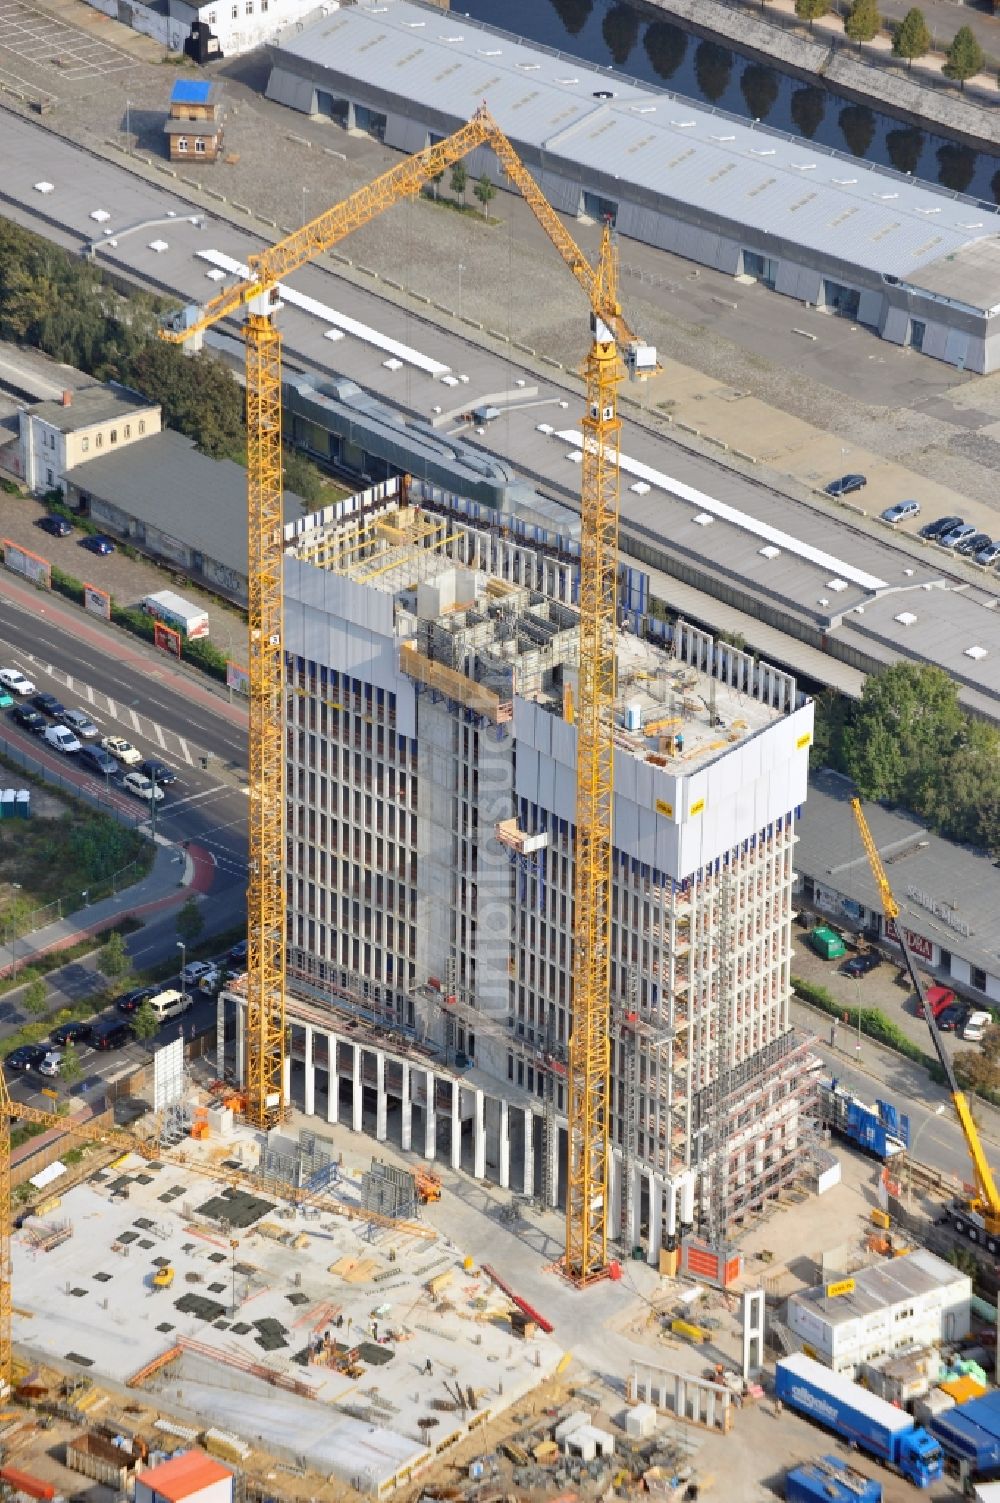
<point>859,1417</point>
<point>830,1480</point>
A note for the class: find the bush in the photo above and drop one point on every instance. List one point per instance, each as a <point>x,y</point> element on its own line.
<point>874,1024</point>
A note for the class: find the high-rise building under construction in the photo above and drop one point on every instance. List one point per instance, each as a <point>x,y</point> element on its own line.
<point>432,667</point>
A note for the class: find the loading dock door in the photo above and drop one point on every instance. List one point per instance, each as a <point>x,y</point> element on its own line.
<point>840,299</point>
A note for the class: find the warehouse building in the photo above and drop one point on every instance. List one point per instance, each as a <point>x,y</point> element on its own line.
<point>949,894</point>
<point>917,1300</point>
<point>916,264</point>
<point>432,669</point>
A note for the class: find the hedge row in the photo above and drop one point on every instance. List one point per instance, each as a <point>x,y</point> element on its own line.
<point>874,1024</point>
<point>201,652</point>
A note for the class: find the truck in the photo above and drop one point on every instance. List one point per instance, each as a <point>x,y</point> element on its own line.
<point>190,620</point>
<point>859,1417</point>
<point>879,1129</point>
<point>830,1480</point>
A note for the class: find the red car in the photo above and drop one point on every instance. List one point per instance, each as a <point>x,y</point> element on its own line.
<point>939,997</point>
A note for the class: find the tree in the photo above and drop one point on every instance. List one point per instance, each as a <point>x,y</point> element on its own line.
<point>113,959</point>
<point>858,125</point>
<point>863,21</point>
<point>965,57</point>
<point>911,38</point>
<point>145,1023</point>
<point>459,178</point>
<point>485,191</point>
<point>435,182</point>
<point>665,46</point>
<point>831,713</point>
<point>811,10</point>
<point>574,14</point>
<point>70,1068</point>
<point>906,724</point>
<point>304,478</point>
<point>36,996</point>
<point>713,66</point>
<point>905,147</point>
<point>808,108</point>
<point>759,87</point>
<point>190,922</point>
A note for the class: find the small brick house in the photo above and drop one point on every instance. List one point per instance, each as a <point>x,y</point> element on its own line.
<point>194,125</point>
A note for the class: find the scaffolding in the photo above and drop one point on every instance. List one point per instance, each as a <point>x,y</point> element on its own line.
<point>454,686</point>
<point>628,1016</point>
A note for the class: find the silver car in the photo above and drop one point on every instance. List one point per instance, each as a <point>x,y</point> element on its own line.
<point>80,724</point>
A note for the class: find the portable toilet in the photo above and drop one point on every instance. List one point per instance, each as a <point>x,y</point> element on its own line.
<point>23,803</point>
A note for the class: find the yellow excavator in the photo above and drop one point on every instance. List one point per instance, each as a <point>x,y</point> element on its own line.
<point>976,1216</point>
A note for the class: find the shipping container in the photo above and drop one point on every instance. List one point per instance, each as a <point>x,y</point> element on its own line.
<point>190,620</point>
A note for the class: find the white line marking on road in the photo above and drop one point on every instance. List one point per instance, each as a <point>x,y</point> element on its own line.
<point>184,751</point>
<point>194,798</point>
<point>112,709</point>
<point>136,723</point>
<point>159,735</point>
<point>89,691</point>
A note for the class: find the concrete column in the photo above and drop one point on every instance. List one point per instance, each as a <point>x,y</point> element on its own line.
<point>430,1119</point>
<point>655,1182</point>
<point>333,1079</point>
<point>286,1079</point>
<point>241,1044</point>
<point>456,1125</point>
<point>504,1155</point>
<point>381,1101</point>
<point>479,1136</point>
<point>406,1108</point>
<point>358,1098</point>
<point>614,1193</point>
<point>753,1331</point>
<point>309,1098</point>
<point>529,1152</point>
<point>633,1228</point>
<point>552,1149</point>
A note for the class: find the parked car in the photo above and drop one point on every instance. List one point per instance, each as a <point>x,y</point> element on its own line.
<point>98,544</point>
<point>195,969</point>
<point>71,1033</point>
<point>900,512</point>
<point>971,546</point>
<point>860,965</point>
<point>988,555</point>
<point>6,699</point>
<point>14,680</point>
<point>957,535</point>
<point>110,1034</point>
<point>238,954</point>
<point>952,1018</point>
<point>48,704</point>
<point>159,771</point>
<point>938,998</point>
<point>130,1002</point>
<point>98,760</point>
<point>170,1004</point>
<point>61,739</point>
<point>80,724</point>
<point>846,485</point>
<point>976,1025</point>
<point>50,1064</point>
<point>122,749</point>
<point>26,1057</point>
<point>58,526</point>
<point>941,525</point>
<point>142,787</point>
<point>28,719</point>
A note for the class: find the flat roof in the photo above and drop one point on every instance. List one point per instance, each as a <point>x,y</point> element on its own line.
<point>969,276</point>
<point>665,145</point>
<point>93,404</point>
<point>165,482</point>
<point>184,1475</point>
<point>948,893</point>
<point>881,1287</point>
<point>192,91</point>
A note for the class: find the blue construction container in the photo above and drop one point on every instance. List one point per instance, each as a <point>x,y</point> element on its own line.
<point>971,1432</point>
<point>830,1480</point>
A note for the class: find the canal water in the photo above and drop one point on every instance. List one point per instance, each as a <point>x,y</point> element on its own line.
<point>658,51</point>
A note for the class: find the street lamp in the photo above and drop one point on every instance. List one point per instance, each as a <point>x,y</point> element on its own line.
<point>461,268</point>
<point>183,949</point>
<point>857,994</point>
<point>152,804</point>
<point>304,192</point>
<point>938,1112</point>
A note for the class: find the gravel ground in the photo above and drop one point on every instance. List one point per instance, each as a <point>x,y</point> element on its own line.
<point>503,274</point>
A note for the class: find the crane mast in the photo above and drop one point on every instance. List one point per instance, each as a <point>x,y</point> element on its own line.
<point>614,352</point>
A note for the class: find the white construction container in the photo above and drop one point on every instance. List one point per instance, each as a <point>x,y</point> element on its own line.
<point>640,1422</point>
<point>190,620</point>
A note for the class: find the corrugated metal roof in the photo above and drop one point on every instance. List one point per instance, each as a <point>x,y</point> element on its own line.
<point>664,145</point>
<point>185,1474</point>
<point>883,1286</point>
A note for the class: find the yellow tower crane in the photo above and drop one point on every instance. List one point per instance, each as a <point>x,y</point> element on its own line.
<point>981,1214</point>
<point>614,350</point>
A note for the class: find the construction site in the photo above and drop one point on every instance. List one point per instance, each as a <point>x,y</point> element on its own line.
<point>511,1175</point>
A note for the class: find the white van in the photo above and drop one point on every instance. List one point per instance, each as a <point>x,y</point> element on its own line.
<point>975,1026</point>
<point>169,1004</point>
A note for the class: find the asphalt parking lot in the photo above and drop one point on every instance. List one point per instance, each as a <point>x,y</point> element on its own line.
<point>40,40</point>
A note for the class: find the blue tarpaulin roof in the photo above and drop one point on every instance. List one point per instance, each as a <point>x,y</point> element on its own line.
<point>190,91</point>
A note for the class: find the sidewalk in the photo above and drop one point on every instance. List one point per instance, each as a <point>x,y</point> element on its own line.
<point>175,874</point>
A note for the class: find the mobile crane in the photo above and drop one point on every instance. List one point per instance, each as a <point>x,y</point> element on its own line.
<point>978,1216</point>
<point>615,351</point>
